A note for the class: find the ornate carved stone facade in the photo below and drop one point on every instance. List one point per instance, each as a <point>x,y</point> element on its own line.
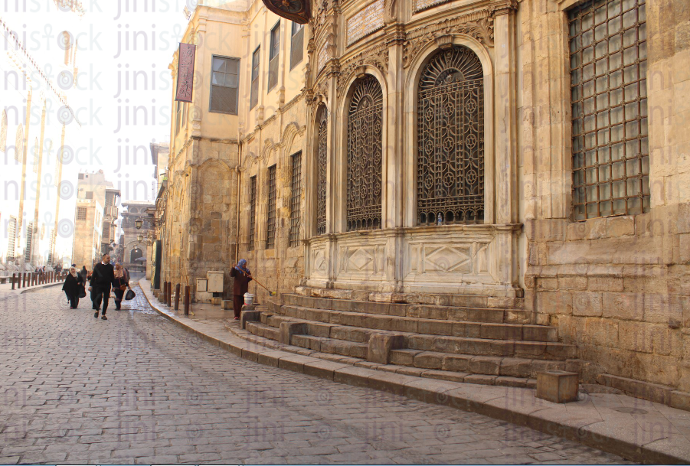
<point>477,166</point>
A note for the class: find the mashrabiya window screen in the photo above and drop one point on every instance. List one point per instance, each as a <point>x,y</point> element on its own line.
<point>297,44</point>
<point>364,156</point>
<point>254,97</point>
<point>271,214</point>
<point>450,139</point>
<point>225,83</point>
<point>608,63</point>
<point>321,167</point>
<point>295,198</point>
<point>252,211</point>
<point>81,213</point>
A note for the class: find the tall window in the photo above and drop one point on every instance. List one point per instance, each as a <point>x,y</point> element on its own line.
<point>608,67</point>
<point>297,44</point>
<point>364,155</point>
<point>178,117</point>
<point>252,211</point>
<point>274,57</point>
<point>450,139</point>
<point>295,198</point>
<point>225,83</point>
<point>271,215</point>
<point>254,97</point>
<point>321,166</point>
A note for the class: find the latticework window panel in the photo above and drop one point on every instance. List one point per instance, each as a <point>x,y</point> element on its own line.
<point>297,44</point>
<point>608,62</point>
<point>274,57</point>
<point>321,166</point>
<point>364,156</point>
<point>252,211</point>
<point>450,139</point>
<point>295,198</point>
<point>81,213</point>
<point>271,214</point>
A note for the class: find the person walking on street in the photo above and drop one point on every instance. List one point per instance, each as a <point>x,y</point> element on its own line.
<point>242,277</point>
<point>120,284</point>
<point>102,277</point>
<point>72,287</point>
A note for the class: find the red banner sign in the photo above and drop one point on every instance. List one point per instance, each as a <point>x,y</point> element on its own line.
<point>185,72</point>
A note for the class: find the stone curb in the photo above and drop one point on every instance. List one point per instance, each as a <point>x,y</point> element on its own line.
<point>515,405</point>
<point>16,292</point>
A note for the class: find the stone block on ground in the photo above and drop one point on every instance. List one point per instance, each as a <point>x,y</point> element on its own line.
<point>557,386</point>
<point>380,346</point>
<point>249,316</point>
<point>287,329</point>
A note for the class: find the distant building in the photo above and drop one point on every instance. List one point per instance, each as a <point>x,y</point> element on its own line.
<point>95,216</point>
<point>134,249</point>
<point>11,238</point>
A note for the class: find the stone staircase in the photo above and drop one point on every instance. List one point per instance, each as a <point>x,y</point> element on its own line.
<point>487,346</point>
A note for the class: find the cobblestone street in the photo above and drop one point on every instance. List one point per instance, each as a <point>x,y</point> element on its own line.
<point>138,389</point>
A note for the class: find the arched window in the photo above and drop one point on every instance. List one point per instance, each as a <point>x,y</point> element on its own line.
<point>364,155</point>
<point>321,165</point>
<point>450,139</point>
<point>135,254</point>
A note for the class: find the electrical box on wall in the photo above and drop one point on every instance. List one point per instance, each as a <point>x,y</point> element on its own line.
<point>215,281</point>
<point>201,284</point>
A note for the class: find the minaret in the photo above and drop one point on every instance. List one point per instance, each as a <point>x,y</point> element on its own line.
<point>20,216</point>
<point>38,158</point>
<point>58,180</point>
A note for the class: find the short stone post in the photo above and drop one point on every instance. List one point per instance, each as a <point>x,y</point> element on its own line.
<point>177,297</point>
<point>557,386</point>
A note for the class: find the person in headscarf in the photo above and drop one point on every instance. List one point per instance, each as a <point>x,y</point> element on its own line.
<point>120,284</point>
<point>242,277</point>
<point>73,284</point>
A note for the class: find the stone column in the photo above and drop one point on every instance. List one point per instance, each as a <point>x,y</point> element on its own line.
<point>505,116</point>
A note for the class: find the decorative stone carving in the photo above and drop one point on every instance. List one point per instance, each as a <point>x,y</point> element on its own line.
<point>389,15</point>
<point>365,22</point>
<point>479,25</point>
<point>376,56</point>
<point>365,259</point>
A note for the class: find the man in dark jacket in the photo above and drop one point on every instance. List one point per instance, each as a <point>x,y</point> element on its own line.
<point>102,277</point>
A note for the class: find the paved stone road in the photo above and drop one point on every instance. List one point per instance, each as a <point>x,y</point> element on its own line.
<point>138,389</point>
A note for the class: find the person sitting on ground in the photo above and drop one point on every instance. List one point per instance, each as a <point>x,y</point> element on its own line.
<point>242,277</point>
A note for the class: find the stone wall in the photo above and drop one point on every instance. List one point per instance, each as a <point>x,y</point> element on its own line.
<point>617,286</point>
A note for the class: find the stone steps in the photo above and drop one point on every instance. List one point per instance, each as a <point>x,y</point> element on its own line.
<point>469,329</point>
<point>554,351</point>
<point>415,311</point>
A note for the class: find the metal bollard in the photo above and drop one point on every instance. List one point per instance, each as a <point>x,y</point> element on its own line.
<point>169,294</point>
<point>13,281</point>
<point>177,297</point>
<point>186,300</point>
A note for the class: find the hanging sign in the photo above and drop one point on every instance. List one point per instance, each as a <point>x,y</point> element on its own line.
<point>185,72</point>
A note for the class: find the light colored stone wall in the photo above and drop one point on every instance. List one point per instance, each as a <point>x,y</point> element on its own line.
<point>618,286</point>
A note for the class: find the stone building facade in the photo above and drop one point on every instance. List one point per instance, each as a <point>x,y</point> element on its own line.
<point>493,154</point>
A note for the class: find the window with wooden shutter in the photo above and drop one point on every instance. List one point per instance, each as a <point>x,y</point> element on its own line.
<point>254,97</point>
<point>225,83</point>
<point>274,57</point>
<point>297,44</point>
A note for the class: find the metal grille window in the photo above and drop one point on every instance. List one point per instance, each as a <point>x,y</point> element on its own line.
<point>321,166</point>
<point>364,156</point>
<point>252,211</point>
<point>274,57</point>
<point>225,83</point>
<point>608,67</point>
<point>271,214</point>
<point>81,213</point>
<point>295,198</point>
<point>450,139</point>
<point>254,97</point>
<point>297,45</point>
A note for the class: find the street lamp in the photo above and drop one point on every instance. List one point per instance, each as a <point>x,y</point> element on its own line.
<point>140,237</point>
<point>138,222</point>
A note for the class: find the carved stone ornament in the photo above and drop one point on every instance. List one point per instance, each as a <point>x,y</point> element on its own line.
<point>298,11</point>
<point>376,56</point>
<point>479,25</point>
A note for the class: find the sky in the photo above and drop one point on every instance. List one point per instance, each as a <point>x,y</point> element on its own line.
<point>124,50</point>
